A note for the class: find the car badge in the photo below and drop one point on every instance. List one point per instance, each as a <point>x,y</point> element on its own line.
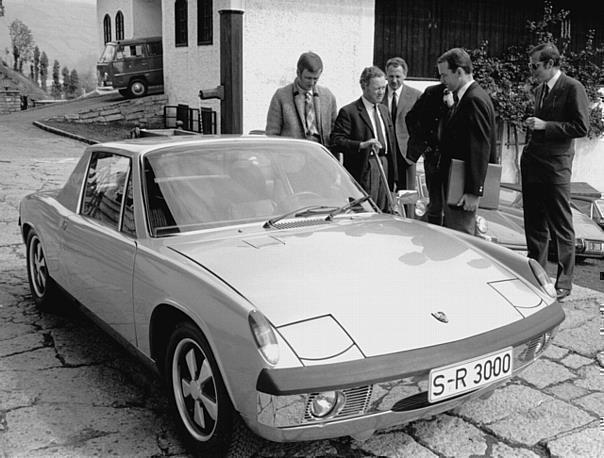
<point>440,316</point>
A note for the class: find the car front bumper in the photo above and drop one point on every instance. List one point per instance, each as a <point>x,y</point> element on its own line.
<point>386,390</point>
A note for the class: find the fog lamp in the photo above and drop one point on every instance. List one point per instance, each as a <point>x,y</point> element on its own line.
<point>481,225</point>
<point>326,403</point>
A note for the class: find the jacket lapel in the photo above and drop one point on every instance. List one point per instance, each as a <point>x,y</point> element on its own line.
<point>318,113</point>
<point>365,116</point>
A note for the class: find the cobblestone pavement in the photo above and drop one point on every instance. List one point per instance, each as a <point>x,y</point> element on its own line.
<point>66,389</point>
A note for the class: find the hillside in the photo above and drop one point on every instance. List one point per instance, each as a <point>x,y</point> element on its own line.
<point>65,29</point>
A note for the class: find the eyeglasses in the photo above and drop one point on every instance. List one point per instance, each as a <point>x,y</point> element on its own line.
<point>534,66</point>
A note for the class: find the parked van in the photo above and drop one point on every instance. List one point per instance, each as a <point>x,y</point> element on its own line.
<point>132,66</point>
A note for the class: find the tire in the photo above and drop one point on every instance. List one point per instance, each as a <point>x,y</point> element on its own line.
<point>200,400</point>
<point>137,88</point>
<point>43,288</point>
<point>124,93</point>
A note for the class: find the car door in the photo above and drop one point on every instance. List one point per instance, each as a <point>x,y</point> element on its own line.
<point>100,243</point>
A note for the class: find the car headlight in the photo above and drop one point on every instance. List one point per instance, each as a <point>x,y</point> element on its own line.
<point>420,208</point>
<point>481,225</point>
<point>542,277</point>
<point>264,336</point>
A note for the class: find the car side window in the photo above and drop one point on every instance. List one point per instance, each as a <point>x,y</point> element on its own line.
<point>105,188</point>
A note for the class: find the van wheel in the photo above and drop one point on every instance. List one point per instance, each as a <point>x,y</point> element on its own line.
<point>124,92</point>
<point>137,88</point>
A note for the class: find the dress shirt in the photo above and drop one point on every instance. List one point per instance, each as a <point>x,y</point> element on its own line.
<point>370,108</point>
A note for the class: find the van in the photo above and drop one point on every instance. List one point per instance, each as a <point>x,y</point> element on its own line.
<point>132,66</point>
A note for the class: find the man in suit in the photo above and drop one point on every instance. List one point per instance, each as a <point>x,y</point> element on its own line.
<point>303,109</point>
<point>364,134</point>
<point>468,135</point>
<point>424,122</point>
<point>560,116</point>
<point>399,99</point>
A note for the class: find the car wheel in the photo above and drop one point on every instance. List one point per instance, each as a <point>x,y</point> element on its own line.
<point>124,92</point>
<point>199,397</point>
<point>137,88</point>
<point>42,286</point>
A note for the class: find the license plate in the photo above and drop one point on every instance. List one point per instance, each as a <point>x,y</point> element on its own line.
<point>449,381</point>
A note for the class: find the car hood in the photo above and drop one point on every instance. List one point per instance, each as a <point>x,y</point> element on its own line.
<point>506,227</point>
<point>585,227</point>
<point>377,279</point>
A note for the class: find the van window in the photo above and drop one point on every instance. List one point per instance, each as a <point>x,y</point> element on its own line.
<point>134,50</point>
<point>154,48</point>
<point>108,53</point>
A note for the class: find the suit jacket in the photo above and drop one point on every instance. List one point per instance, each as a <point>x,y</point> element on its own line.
<point>409,96</point>
<point>422,121</point>
<point>548,155</point>
<point>352,127</point>
<point>469,134</point>
<point>286,115</point>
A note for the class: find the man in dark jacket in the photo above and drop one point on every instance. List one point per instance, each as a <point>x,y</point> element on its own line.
<point>561,115</point>
<point>468,135</point>
<point>364,134</point>
<point>424,122</point>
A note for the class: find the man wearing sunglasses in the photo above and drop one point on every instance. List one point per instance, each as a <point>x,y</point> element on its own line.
<point>560,116</point>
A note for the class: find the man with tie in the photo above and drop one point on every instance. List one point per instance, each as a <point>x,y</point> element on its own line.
<point>468,134</point>
<point>303,109</point>
<point>560,116</point>
<point>399,99</point>
<point>364,134</point>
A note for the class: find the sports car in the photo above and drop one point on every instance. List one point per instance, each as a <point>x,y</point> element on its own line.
<point>276,300</point>
<point>505,225</point>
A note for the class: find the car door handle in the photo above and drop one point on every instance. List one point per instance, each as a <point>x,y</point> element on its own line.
<point>63,224</point>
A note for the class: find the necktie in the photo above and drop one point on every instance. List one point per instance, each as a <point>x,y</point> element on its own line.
<point>393,108</point>
<point>378,129</point>
<point>544,93</point>
<point>309,112</point>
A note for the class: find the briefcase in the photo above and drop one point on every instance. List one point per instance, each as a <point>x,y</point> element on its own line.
<point>492,183</point>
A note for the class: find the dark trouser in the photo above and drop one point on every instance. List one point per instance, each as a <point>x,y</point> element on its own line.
<point>376,187</point>
<point>547,214</point>
<point>434,212</point>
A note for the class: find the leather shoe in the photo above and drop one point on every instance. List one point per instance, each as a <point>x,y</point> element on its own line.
<point>561,293</point>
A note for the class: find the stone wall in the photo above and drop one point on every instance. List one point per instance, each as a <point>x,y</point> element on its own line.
<point>146,111</point>
<point>10,101</point>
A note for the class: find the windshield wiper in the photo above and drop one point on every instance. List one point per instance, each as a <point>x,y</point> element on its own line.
<point>348,206</point>
<point>304,211</point>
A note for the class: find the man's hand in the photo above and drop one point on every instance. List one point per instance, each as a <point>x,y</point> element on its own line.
<point>469,202</point>
<point>372,144</point>
<point>535,123</point>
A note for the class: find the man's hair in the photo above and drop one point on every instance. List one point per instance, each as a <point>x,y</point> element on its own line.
<point>546,51</point>
<point>310,61</point>
<point>457,58</point>
<point>397,62</point>
<point>368,73</point>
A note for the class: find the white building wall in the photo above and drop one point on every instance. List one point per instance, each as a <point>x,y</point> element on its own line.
<point>276,32</point>
<point>191,68</point>
<point>146,19</point>
<point>111,7</point>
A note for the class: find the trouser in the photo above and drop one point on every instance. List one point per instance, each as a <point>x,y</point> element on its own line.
<point>406,180</point>
<point>548,216</point>
<point>377,189</point>
<point>434,183</point>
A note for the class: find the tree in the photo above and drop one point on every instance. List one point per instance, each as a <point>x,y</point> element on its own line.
<point>36,64</point>
<point>66,81</point>
<point>43,70</point>
<point>22,41</point>
<point>55,90</point>
<point>74,84</point>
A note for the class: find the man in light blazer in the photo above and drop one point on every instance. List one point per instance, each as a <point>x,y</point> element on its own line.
<point>364,134</point>
<point>468,134</point>
<point>399,99</point>
<point>303,109</point>
<point>560,116</point>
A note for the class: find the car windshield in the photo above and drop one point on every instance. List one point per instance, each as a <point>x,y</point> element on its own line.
<point>108,53</point>
<point>510,197</point>
<point>196,187</point>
